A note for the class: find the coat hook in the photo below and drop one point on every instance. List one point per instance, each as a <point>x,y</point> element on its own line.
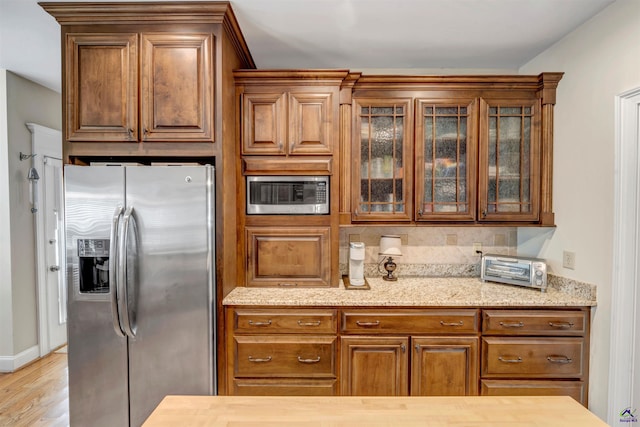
<point>26,156</point>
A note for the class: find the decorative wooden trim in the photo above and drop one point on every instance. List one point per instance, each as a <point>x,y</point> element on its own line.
<point>294,166</point>
<point>548,83</point>
<point>71,13</point>
<point>345,165</point>
<point>546,166</point>
<point>346,88</point>
<point>285,77</point>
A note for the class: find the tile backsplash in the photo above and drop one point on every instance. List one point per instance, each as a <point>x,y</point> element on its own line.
<point>430,251</point>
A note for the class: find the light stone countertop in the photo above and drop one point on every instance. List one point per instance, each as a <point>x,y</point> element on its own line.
<point>415,292</point>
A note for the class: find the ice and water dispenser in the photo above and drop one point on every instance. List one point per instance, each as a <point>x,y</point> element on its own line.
<point>93,265</point>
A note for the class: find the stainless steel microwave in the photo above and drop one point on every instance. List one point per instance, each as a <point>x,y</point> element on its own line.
<point>287,195</point>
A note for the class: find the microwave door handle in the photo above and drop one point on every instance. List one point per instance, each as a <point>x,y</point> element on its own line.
<point>113,270</point>
<point>123,284</point>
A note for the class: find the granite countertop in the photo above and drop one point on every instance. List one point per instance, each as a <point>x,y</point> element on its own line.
<point>418,292</point>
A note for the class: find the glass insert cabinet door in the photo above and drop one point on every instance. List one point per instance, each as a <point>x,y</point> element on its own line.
<point>381,167</point>
<point>509,160</point>
<point>446,153</point>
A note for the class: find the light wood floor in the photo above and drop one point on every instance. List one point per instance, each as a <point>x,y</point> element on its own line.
<point>36,395</point>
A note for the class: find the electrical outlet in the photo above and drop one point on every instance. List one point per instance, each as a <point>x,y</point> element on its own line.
<point>569,260</point>
<point>477,247</point>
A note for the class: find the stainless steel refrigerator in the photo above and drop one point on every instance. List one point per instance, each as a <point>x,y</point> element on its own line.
<point>141,306</point>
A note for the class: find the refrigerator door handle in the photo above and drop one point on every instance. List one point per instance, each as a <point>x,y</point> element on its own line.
<point>125,272</point>
<point>113,270</point>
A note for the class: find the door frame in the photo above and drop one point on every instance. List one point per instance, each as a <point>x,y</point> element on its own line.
<point>45,142</point>
<point>625,346</point>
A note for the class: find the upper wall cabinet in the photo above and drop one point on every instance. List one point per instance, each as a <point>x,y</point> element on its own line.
<point>452,149</point>
<point>145,77</point>
<point>175,86</point>
<point>289,112</point>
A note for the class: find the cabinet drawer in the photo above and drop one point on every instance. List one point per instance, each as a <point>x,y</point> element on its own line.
<point>533,357</point>
<point>410,322</point>
<point>285,356</point>
<point>285,387</point>
<point>285,321</point>
<point>531,322</point>
<point>575,389</point>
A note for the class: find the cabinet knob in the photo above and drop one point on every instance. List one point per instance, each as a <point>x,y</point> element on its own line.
<point>420,212</point>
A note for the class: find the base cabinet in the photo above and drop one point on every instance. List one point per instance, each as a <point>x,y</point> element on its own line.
<point>282,352</point>
<point>408,352</point>
<point>444,366</point>
<point>535,352</point>
<point>374,366</point>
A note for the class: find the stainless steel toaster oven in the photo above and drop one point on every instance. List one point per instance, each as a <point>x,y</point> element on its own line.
<point>521,271</point>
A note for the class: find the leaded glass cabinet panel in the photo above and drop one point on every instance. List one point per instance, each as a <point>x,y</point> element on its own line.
<point>509,160</point>
<point>446,153</point>
<point>382,163</point>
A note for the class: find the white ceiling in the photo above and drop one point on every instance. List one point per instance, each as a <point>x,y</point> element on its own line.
<point>352,34</point>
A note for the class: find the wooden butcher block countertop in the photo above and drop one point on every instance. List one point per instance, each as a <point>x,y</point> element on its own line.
<point>349,411</point>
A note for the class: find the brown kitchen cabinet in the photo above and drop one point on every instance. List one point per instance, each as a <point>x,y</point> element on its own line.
<point>282,352</point>
<point>442,363</point>
<point>539,352</point>
<point>382,159</point>
<point>374,366</point>
<point>481,152</point>
<point>288,256</point>
<point>289,112</point>
<point>107,100</point>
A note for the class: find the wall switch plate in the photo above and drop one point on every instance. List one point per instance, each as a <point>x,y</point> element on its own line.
<point>569,260</point>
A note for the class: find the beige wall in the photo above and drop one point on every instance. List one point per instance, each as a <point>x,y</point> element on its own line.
<point>600,59</point>
<point>24,102</point>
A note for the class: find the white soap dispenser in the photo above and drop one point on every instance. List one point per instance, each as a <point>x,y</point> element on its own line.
<point>356,263</point>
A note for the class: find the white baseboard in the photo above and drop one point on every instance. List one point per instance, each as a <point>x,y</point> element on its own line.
<point>11,363</point>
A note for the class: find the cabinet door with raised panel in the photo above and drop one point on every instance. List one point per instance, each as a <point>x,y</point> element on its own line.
<point>101,97</point>
<point>288,256</point>
<point>264,120</point>
<point>444,366</point>
<point>374,366</point>
<point>509,170</point>
<point>311,123</point>
<point>382,160</point>
<point>177,87</point>
<point>446,151</point>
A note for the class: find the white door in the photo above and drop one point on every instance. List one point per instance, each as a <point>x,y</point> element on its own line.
<point>48,210</point>
<point>53,210</point>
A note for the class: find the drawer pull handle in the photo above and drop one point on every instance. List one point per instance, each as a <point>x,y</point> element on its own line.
<point>267,323</point>
<point>559,359</point>
<point>517,360</point>
<point>259,359</point>
<point>316,323</point>
<point>459,323</point>
<point>511,324</point>
<point>301,360</point>
<point>561,325</point>
<point>286,284</point>
<point>367,324</point>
